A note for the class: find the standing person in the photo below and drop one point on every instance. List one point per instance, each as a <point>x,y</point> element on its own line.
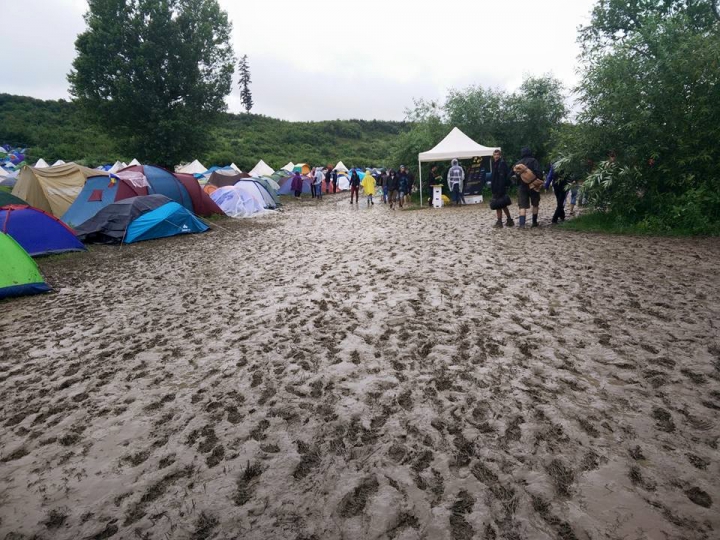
<point>319,176</point>
<point>527,196</point>
<point>498,186</point>
<point>334,179</point>
<point>455,179</point>
<point>411,184</point>
<point>354,185</point>
<point>312,184</point>
<point>560,182</point>
<point>434,178</point>
<point>381,184</point>
<point>392,186</point>
<point>297,184</point>
<point>368,184</point>
<point>328,175</point>
<point>402,185</point>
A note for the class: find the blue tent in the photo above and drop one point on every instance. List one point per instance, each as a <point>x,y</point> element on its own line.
<point>286,187</point>
<point>168,220</point>
<point>37,232</point>
<point>96,194</point>
<point>163,182</point>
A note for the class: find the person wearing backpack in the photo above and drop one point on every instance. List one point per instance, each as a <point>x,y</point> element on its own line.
<point>455,179</point>
<point>499,182</point>
<point>354,186</point>
<point>526,196</point>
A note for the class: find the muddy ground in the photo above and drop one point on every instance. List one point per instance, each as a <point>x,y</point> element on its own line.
<point>332,372</point>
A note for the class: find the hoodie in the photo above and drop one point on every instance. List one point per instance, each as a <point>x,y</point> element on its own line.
<point>368,184</point>
<point>527,159</point>
<point>455,175</point>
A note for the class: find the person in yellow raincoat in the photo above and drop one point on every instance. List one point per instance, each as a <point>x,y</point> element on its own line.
<point>368,184</point>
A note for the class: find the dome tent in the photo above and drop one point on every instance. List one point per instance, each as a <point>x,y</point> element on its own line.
<point>170,219</point>
<point>37,232</point>
<point>19,275</point>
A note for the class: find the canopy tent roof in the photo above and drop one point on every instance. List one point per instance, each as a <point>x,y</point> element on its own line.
<point>289,167</point>
<point>41,164</point>
<point>456,145</point>
<point>340,167</point>
<point>58,162</point>
<point>235,168</point>
<point>192,168</point>
<point>134,162</point>
<point>262,169</point>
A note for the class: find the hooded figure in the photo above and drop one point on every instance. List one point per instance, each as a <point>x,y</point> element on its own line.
<point>455,179</point>
<point>297,184</point>
<point>529,197</point>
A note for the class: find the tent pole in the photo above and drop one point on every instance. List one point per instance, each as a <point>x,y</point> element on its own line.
<point>420,176</point>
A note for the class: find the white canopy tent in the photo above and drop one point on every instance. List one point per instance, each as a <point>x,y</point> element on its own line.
<point>456,145</point>
<point>340,167</point>
<point>192,168</point>
<point>118,165</point>
<point>41,164</point>
<point>289,167</point>
<point>58,162</point>
<point>134,162</point>
<point>235,168</point>
<point>261,169</point>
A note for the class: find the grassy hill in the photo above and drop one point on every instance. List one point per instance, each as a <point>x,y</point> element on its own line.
<point>56,130</point>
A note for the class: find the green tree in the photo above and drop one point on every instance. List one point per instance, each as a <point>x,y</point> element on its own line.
<point>650,93</point>
<point>154,73</point>
<point>245,93</point>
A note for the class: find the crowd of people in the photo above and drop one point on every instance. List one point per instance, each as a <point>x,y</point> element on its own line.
<point>396,187</point>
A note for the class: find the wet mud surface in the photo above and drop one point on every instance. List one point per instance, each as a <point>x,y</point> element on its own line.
<point>332,372</point>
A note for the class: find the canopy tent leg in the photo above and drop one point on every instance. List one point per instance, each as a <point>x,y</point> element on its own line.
<point>420,176</point>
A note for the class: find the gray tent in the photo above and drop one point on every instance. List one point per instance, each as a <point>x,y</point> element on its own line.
<point>108,226</point>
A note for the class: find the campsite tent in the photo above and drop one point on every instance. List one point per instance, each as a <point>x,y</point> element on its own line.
<point>110,223</point>
<point>235,168</point>
<point>261,169</point>
<point>340,167</point>
<point>289,167</point>
<point>192,168</point>
<point>170,219</point>
<point>133,162</point>
<point>258,192</point>
<point>223,178</point>
<point>99,191</point>
<point>41,164</point>
<point>456,145</point>
<point>53,189</point>
<point>19,275</point>
<point>117,166</point>
<point>37,232</point>
<point>286,185</point>
<point>163,182</point>
<point>302,168</point>
<point>58,162</point>
<point>7,198</point>
<point>202,204</point>
<point>236,202</point>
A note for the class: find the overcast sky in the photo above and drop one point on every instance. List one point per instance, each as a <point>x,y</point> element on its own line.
<point>327,59</point>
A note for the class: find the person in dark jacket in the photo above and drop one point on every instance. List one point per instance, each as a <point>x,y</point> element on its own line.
<point>403,186</point>
<point>560,182</point>
<point>354,186</point>
<point>498,186</point>
<point>411,184</point>
<point>382,184</point>
<point>328,176</point>
<point>529,197</point>
<point>334,179</point>
<point>297,184</point>
<point>434,178</point>
<point>393,185</point>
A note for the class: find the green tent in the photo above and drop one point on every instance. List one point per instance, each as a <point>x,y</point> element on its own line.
<point>7,198</point>
<point>19,275</point>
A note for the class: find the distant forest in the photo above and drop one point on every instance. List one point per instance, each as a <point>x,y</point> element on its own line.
<point>57,130</point>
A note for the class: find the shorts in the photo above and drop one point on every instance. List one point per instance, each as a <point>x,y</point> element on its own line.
<point>527,197</point>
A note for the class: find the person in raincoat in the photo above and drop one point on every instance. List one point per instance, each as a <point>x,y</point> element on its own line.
<point>297,184</point>
<point>455,179</point>
<point>368,184</point>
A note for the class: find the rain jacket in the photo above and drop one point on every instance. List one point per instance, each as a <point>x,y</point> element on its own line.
<point>455,175</point>
<point>297,182</point>
<point>499,180</point>
<point>368,184</point>
<point>392,182</point>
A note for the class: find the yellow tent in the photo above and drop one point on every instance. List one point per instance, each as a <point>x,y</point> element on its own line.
<point>53,189</point>
<point>302,168</point>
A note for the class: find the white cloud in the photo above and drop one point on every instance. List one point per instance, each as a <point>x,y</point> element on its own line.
<point>321,59</point>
